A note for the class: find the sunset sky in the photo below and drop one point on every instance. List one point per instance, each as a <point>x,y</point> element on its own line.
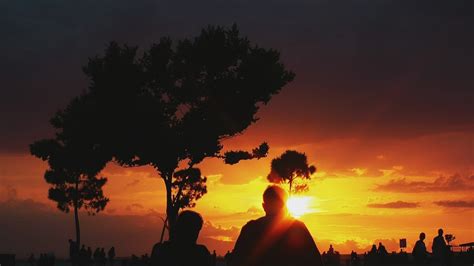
<point>382,104</point>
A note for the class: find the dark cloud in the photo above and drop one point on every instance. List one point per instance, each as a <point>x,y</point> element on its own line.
<point>29,223</point>
<point>381,68</point>
<point>455,203</point>
<point>29,226</point>
<point>441,184</point>
<point>394,205</point>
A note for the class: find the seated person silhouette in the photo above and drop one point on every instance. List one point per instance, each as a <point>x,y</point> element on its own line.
<point>183,250</point>
<point>275,239</point>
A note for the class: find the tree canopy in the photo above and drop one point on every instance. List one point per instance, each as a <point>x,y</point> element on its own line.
<point>171,105</point>
<point>72,175</point>
<point>291,167</point>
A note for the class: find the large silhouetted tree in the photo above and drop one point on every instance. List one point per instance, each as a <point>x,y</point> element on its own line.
<point>291,167</point>
<point>72,174</point>
<point>172,105</point>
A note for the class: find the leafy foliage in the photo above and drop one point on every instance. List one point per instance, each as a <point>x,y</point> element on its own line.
<point>292,168</point>
<point>171,106</point>
<point>72,175</point>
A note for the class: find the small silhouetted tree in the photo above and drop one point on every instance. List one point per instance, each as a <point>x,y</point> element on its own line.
<point>449,238</point>
<point>291,168</point>
<point>172,105</point>
<point>72,175</point>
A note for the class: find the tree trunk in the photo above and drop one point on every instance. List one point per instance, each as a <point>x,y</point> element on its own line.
<point>165,224</point>
<point>291,184</point>
<point>76,217</point>
<point>171,213</point>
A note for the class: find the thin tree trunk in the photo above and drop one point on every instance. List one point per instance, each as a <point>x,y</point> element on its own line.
<point>169,209</point>
<point>291,184</point>
<point>165,222</point>
<point>76,216</point>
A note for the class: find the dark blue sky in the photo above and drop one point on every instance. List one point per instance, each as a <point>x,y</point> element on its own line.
<point>404,66</point>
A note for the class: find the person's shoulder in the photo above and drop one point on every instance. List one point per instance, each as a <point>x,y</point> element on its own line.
<point>202,249</point>
<point>253,223</point>
<point>160,246</point>
<point>297,224</point>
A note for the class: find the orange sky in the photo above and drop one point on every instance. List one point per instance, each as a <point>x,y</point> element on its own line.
<point>381,104</point>
<point>364,191</point>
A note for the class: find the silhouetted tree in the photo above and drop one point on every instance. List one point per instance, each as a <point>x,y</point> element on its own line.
<point>171,106</point>
<point>72,175</point>
<point>449,238</point>
<point>289,167</point>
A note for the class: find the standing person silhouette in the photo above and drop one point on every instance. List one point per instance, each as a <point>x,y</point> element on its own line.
<point>439,248</point>
<point>73,252</point>
<point>111,255</point>
<point>419,251</point>
<point>275,239</point>
<point>183,250</point>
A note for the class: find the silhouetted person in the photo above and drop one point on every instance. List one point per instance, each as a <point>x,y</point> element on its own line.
<point>89,255</point>
<point>96,256</point>
<point>227,257</point>
<point>275,239</point>
<point>214,258</point>
<point>439,248</point>
<point>354,258</point>
<point>83,256</point>
<point>111,255</point>
<point>420,255</point>
<point>73,252</point>
<point>373,250</point>
<point>102,258</point>
<point>32,260</point>
<point>382,251</point>
<point>145,259</point>
<point>183,250</point>
<point>331,250</point>
<point>372,257</point>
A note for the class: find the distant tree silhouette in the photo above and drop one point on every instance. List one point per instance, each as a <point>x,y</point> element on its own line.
<point>171,106</point>
<point>72,175</point>
<point>289,167</point>
<point>449,238</point>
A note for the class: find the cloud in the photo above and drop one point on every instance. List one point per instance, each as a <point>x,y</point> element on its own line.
<point>133,183</point>
<point>455,203</point>
<point>218,232</point>
<point>8,192</point>
<point>441,184</point>
<point>394,205</point>
<point>134,206</point>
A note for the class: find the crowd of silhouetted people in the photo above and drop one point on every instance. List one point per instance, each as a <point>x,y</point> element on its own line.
<point>84,256</point>
<point>45,259</point>
<point>275,239</point>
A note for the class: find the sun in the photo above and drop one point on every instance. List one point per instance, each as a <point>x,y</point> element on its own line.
<point>298,206</point>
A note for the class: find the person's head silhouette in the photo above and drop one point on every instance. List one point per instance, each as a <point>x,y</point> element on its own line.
<point>422,236</point>
<point>274,201</point>
<point>188,226</point>
<point>440,232</point>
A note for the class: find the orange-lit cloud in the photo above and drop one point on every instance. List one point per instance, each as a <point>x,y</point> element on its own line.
<point>394,205</point>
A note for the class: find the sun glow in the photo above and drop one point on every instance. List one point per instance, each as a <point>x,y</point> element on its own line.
<point>298,206</point>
